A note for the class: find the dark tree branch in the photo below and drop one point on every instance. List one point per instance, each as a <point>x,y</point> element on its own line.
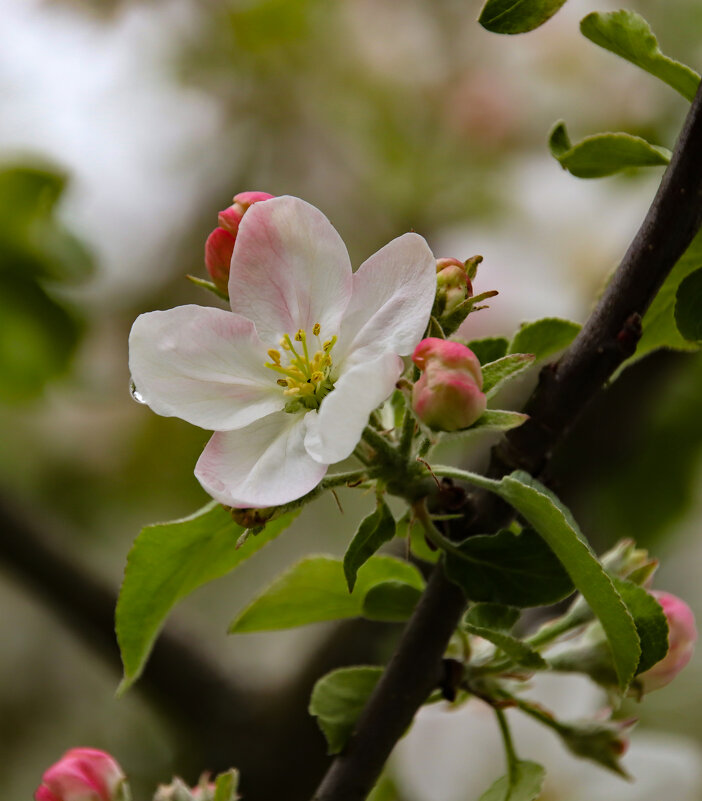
<point>607,339</point>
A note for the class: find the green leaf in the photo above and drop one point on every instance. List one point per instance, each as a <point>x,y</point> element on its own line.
<point>628,35</point>
<point>604,154</point>
<point>659,327</point>
<point>493,622</point>
<point>338,700</point>
<point>170,560</point>
<point>384,790</point>
<point>489,349</point>
<point>226,785</point>
<point>517,16</point>
<point>391,601</point>
<point>650,620</point>
<point>526,786</point>
<point>494,420</point>
<point>509,568</point>
<point>496,374</point>
<point>544,337</point>
<point>315,589</point>
<point>553,521</point>
<point>374,531</point>
<point>688,307</point>
<point>493,616</point>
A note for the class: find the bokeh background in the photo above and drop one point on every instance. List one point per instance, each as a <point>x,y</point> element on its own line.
<point>124,128</point>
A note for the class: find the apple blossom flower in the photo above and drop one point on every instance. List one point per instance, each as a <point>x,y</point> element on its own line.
<point>83,774</point>
<point>447,396</point>
<point>288,378</point>
<point>220,243</point>
<point>682,634</point>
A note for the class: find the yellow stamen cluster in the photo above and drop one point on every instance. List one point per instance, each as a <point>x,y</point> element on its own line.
<point>306,378</point>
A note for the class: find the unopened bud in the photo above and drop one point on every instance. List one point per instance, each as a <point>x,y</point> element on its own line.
<point>453,286</point>
<point>84,774</point>
<point>447,396</point>
<point>602,742</point>
<point>224,787</point>
<point>682,634</point>
<point>204,792</point>
<point>220,243</point>
<point>628,562</point>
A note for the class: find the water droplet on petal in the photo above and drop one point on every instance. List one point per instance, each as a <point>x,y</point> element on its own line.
<point>134,392</point>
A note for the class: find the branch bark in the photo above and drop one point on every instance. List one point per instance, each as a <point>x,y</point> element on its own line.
<point>607,339</point>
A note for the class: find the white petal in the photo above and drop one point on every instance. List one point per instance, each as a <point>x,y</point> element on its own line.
<point>393,292</point>
<point>334,431</point>
<point>290,269</point>
<point>264,464</point>
<point>203,365</point>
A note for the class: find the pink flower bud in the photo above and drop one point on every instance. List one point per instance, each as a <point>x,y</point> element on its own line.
<point>218,257</point>
<point>220,243</point>
<point>448,396</point>
<point>230,218</point>
<point>682,634</point>
<point>83,774</point>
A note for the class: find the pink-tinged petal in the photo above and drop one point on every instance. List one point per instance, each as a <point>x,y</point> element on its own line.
<point>203,365</point>
<point>69,782</point>
<point>393,292</point>
<point>264,464</point>
<point>44,794</point>
<point>334,430</point>
<point>290,270</point>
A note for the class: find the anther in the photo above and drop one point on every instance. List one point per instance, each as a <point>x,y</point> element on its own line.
<point>282,382</point>
<point>275,355</point>
<point>316,328</point>
<point>300,336</point>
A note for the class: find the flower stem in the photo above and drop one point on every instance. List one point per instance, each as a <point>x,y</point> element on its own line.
<point>510,753</point>
<point>432,532</point>
<point>407,435</point>
<point>381,446</point>
<point>339,479</point>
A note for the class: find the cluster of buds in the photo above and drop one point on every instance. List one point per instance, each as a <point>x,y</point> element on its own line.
<point>448,395</point>
<point>87,774</point>
<point>220,243</point>
<point>84,774</point>
<point>225,787</point>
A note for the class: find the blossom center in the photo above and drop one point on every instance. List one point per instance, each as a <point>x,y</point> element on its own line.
<point>305,376</point>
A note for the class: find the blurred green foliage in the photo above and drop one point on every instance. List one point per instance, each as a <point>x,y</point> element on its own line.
<point>38,331</point>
